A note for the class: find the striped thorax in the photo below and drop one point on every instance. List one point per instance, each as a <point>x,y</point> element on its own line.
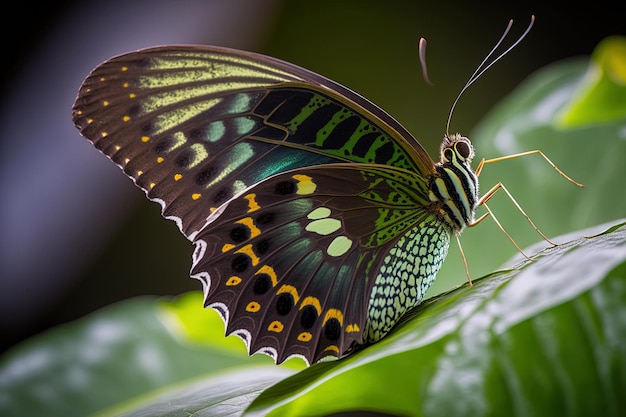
<point>453,190</point>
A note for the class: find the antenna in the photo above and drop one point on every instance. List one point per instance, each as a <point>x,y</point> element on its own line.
<point>422,55</point>
<point>484,65</point>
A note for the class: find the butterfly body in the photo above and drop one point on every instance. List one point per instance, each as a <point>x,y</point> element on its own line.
<point>317,219</point>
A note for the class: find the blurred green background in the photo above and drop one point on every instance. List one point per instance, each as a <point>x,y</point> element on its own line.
<point>77,235</point>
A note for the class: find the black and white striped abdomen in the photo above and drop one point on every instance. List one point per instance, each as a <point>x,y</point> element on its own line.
<point>453,190</point>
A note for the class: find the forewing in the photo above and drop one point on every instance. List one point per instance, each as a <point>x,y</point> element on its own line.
<point>195,126</point>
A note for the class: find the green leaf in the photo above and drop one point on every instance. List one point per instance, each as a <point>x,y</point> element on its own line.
<point>121,354</point>
<point>545,338</point>
<point>602,93</point>
<point>224,394</point>
<point>197,326</point>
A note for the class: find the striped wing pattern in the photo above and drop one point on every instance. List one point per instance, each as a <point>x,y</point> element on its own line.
<point>297,192</point>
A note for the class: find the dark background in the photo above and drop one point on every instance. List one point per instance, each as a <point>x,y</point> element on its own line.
<point>75,233</point>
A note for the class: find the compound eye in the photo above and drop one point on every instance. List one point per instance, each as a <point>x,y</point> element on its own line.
<point>463,149</point>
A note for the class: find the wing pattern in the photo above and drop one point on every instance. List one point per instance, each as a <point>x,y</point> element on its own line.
<point>301,196</point>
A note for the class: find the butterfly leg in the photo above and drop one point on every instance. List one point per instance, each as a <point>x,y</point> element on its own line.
<point>469,278</point>
<point>483,202</point>
<point>484,161</point>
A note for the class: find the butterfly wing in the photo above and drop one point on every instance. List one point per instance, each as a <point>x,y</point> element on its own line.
<point>194,126</point>
<point>292,187</point>
<point>291,262</point>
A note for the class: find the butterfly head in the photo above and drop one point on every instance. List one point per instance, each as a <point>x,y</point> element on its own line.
<point>454,188</point>
<point>456,149</point>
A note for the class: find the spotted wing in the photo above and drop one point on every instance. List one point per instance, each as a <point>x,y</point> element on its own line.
<point>291,262</point>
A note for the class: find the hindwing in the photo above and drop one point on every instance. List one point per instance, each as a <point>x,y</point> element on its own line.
<point>290,263</point>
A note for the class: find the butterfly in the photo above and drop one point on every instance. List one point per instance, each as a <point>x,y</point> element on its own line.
<point>317,219</point>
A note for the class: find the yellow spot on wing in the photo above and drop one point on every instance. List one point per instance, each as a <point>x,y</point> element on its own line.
<point>332,348</point>
<point>196,196</point>
<point>105,103</point>
<point>333,313</point>
<point>159,160</point>
<point>312,301</point>
<point>145,139</point>
<point>305,184</point>
<point>252,204</point>
<point>227,247</point>
<point>290,289</point>
<point>275,326</point>
<point>104,134</point>
<point>124,69</point>
<point>253,307</point>
<point>232,281</point>
<point>266,269</point>
<point>305,337</point>
<point>177,177</point>
<point>352,328</point>
<point>126,118</point>
<point>247,250</point>
<point>132,95</point>
<point>247,221</point>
